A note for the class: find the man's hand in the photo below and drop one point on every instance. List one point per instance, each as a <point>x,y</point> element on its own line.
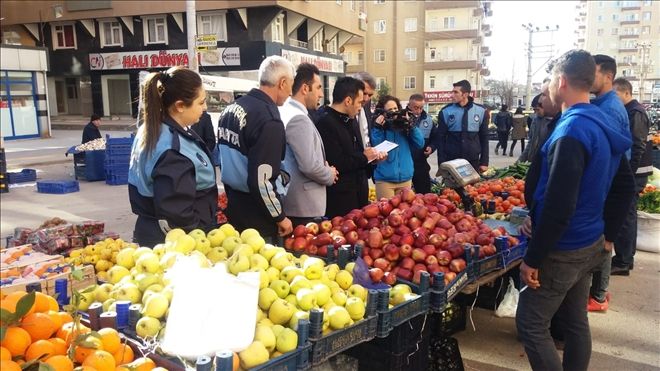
<point>380,120</point>
<point>482,168</point>
<point>526,227</point>
<point>529,276</point>
<point>284,228</point>
<point>371,154</point>
<point>427,151</point>
<point>609,246</point>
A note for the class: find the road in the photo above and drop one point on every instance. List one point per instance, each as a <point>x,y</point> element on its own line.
<point>627,337</point>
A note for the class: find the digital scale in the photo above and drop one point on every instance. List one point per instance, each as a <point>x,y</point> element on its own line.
<point>456,174</point>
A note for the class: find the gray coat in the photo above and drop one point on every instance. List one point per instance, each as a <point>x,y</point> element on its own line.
<point>305,162</point>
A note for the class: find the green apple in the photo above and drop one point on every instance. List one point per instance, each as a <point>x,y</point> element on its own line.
<point>293,322</point>
<point>281,287</point>
<point>344,279</point>
<point>266,298</point>
<point>298,283</point>
<point>349,267</point>
<point>314,261</point>
<point>109,305</point>
<point>185,244</point>
<point>403,288</point>
<point>265,335</point>
<point>339,318</point>
<point>355,307</point>
<point>86,299</point>
<point>230,243</point>
<point>332,270</point>
<point>263,278</point>
<point>322,292</point>
<point>128,291</point>
<point>396,297</point>
<point>243,249</point>
<point>168,260</point>
<point>357,291</point>
<point>257,242</point>
<point>216,237</point>
<point>258,261</point>
<point>147,327</point>
<point>268,251</point>
<point>290,272</point>
<point>174,234</point>
<point>265,321</point>
<point>155,306</point>
<point>159,250</point>
<point>339,298</point>
<point>291,298</point>
<point>277,329</point>
<point>197,234</point>
<point>168,291</point>
<point>229,230</point>
<point>125,259</point>
<point>287,340</point>
<point>306,299</point>
<point>145,280</point>
<point>139,251</point>
<point>273,274</point>
<point>201,259</point>
<point>280,311</point>
<point>254,355</point>
<point>148,262</point>
<point>247,233</point>
<point>238,263</point>
<point>280,260</point>
<point>217,254</point>
<point>116,273</point>
<point>102,292</point>
<point>313,272</point>
<point>203,245</point>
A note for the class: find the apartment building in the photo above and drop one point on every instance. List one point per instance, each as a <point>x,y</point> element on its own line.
<point>97,49</point>
<point>629,31</point>
<point>423,47</point>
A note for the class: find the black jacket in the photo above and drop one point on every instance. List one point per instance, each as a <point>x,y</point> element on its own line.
<point>503,121</point>
<point>204,128</point>
<point>90,132</point>
<point>641,158</point>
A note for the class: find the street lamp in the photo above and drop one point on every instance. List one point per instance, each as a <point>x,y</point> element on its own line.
<point>531,29</point>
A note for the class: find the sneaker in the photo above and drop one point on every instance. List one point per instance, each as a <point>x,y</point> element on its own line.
<point>497,151</point>
<point>619,271</point>
<point>595,306</point>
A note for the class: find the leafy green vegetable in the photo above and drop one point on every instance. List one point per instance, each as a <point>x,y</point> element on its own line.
<point>649,202</point>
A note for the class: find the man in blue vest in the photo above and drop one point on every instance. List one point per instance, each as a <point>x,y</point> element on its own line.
<point>421,179</point>
<point>463,129</point>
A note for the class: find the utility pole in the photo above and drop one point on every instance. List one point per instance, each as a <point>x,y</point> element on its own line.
<point>531,29</point>
<point>643,47</point>
<point>191,30</point>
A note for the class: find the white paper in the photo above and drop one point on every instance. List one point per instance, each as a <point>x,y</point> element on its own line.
<point>385,146</point>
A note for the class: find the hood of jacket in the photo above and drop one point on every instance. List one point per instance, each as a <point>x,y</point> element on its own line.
<point>619,143</point>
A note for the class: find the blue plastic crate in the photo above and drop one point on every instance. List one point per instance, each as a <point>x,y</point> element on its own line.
<point>25,175</point>
<point>118,146</point>
<point>116,169</point>
<point>116,179</point>
<point>514,253</point>
<point>58,186</point>
<point>486,265</point>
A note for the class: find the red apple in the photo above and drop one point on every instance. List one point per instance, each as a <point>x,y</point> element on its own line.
<point>457,265</point>
<point>403,230</point>
<point>386,231</point>
<point>299,231</point>
<point>455,216</point>
<point>385,208</point>
<point>373,223</point>
<point>444,223</point>
<point>429,249</point>
<point>428,224</point>
<point>351,237</point>
<point>376,274</point>
<point>395,239</point>
<point>418,255</point>
<point>391,252</point>
<point>417,276</point>
<point>312,228</point>
<point>430,198</point>
<point>433,268</point>
<point>363,234</point>
<point>442,209</point>
<point>376,253</point>
<point>449,277</point>
<point>322,251</point>
<point>456,250</point>
<point>311,250</point>
<point>407,263</point>
<point>338,241</point>
<point>299,243</point>
<point>375,239</point>
<point>414,223</point>
<point>347,226</point>
<point>431,259</point>
<point>405,274</point>
<point>337,220</point>
<point>382,264</point>
<point>407,195</point>
<point>420,211</point>
<point>389,278</point>
<point>435,240</point>
<point>419,267</point>
<point>444,257</point>
<point>322,239</point>
<point>404,206</point>
<point>395,219</point>
<point>395,201</point>
<point>370,211</point>
<point>288,243</point>
<point>405,250</point>
<point>368,260</point>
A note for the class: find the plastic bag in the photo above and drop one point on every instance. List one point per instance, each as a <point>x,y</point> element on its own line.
<point>361,276</point>
<point>509,304</point>
<point>648,232</point>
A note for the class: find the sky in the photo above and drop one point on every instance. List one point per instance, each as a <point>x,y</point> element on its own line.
<point>509,38</point>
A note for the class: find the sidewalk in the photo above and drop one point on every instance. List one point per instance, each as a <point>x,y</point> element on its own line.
<point>114,123</point>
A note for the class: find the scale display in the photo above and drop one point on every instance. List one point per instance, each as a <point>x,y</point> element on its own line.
<point>458,173</point>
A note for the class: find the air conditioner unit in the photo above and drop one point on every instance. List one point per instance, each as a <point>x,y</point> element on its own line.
<point>427,44</point>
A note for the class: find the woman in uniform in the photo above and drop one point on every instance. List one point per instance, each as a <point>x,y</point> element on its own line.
<point>171,180</point>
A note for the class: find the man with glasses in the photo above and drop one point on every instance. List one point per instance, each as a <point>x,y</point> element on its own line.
<point>421,180</point>
<point>463,129</point>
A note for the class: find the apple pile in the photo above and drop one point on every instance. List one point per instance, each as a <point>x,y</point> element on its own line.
<point>403,236</point>
<point>102,255</point>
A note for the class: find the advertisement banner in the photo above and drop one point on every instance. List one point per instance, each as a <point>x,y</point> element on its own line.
<point>444,96</point>
<point>162,59</point>
<point>324,64</point>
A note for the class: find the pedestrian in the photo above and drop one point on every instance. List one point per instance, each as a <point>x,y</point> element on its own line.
<point>641,165</point>
<point>343,149</point>
<point>171,180</point>
<point>568,219</point>
<point>421,179</point>
<point>91,130</point>
<point>204,128</point>
<point>607,100</point>
<point>252,146</point>
<point>538,130</point>
<point>519,131</point>
<point>463,129</point>
<point>396,172</point>
<point>503,122</point>
<point>305,159</point>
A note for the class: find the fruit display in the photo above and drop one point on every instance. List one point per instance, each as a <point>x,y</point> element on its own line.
<point>93,145</point>
<point>36,332</point>
<point>102,255</point>
<point>507,193</point>
<point>222,206</point>
<point>404,236</point>
<point>372,194</point>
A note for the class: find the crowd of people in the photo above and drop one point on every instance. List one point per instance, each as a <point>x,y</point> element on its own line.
<point>285,160</point>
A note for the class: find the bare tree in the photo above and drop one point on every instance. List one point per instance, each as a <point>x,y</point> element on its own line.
<point>502,89</point>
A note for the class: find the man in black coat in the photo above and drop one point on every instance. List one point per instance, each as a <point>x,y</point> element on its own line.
<point>91,130</point>
<point>343,147</point>
<point>204,128</point>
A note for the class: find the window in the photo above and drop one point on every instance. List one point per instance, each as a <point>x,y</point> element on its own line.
<point>64,36</point>
<point>111,34</point>
<point>409,82</point>
<point>410,25</point>
<point>379,55</point>
<point>277,29</point>
<point>379,26</point>
<point>648,2</point>
<point>433,25</point>
<point>600,18</point>
<point>317,41</point>
<point>599,32</point>
<point>379,1</point>
<point>646,30</point>
<point>360,58</point>
<point>410,54</point>
<point>338,2</point>
<point>155,30</point>
<point>347,57</point>
<point>646,16</point>
<point>615,17</point>
<point>352,5</point>
<point>432,54</point>
<point>431,82</point>
<point>449,22</point>
<point>380,82</point>
<point>332,46</point>
<point>599,45</point>
<point>447,53</point>
<point>212,24</point>
<point>615,31</point>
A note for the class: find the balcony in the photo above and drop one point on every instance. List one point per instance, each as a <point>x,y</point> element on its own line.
<point>478,12</point>
<point>632,7</point>
<point>581,40</point>
<point>485,27</point>
<point>433,5</point>
<point>355,40</point>
<point>452,34</point>
<point>624,49</point>
<point>629,21</point>
<point>298,43</point>
<point>582,27</point>
<point>484,49</point>
<point>488,33</point>
<point>451,65</point>
<point>631,36</point>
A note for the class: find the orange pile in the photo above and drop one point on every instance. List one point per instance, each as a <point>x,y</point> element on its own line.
<point>46,334</point>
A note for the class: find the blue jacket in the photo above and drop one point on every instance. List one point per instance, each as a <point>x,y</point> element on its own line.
<point>463,133</point>
<point>578,162</point>
<point>429,132</point>
<point>616,112</point>
<point>398,167</point>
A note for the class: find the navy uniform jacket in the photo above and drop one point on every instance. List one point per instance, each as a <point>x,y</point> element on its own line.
<point>463,133</point>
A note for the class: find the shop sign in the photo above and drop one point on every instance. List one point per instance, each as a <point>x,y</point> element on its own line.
<point>161,59</point>
<point>323,63</point>
<point>444,96</point>
<point>206,42</point>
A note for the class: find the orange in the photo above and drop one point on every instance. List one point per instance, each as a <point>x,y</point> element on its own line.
<point>9,366</point>
<point>100,360</point>
<point>4,354</point>
<point>142,364</point>
<point>124,355</point>
<point>85,368</point>
<point>66,317</point>
<point>237,362</point>
<point>41,302</point>
<point>52,303</point>
<point>38,349</point>
<point>38,325</point>
<point>81,352</point>
<point>16,341</point>
<point>13,298</point>
<point>110,338</point>
<point>68,332</point>
<point>56,318</point>
<point>59,345</point>
<point>60,363</point>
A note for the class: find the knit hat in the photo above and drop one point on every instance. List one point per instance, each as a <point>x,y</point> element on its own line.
<point>535,101</point>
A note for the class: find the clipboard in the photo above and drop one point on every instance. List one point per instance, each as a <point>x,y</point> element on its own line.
<point>385,146</point>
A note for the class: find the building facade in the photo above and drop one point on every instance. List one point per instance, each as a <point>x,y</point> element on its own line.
<point>97,49</point>
<point>423,47</point>
<point>628,31</point>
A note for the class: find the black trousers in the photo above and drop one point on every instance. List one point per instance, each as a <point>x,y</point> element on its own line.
<point>502,140</point>
<point>243,212</point>
<point>421,179</point>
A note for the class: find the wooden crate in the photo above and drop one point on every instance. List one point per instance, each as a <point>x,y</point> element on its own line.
<point>48,284</point>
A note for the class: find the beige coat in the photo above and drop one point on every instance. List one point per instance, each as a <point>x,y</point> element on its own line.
<point>519,130</point>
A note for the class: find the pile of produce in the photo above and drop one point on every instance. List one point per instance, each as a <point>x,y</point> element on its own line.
<point>222,206</point>
<point>507,192</point>
<point>649,198</point>
<point>102,255</point>
<point>94,145</point>
<point>517,170</point>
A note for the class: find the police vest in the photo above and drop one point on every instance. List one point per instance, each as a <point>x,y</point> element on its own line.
<point>453,116</point>
<point>425,125</point>
<point>142,165</point>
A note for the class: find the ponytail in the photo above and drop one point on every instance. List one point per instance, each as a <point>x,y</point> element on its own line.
<point>153,110</point>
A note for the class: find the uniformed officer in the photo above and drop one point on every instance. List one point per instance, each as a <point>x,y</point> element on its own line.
<point>421,179</point>
<point>171,179</point>
<point>463,129</point>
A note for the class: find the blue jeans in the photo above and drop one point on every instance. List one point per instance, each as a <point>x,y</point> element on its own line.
<point>625,244</point>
